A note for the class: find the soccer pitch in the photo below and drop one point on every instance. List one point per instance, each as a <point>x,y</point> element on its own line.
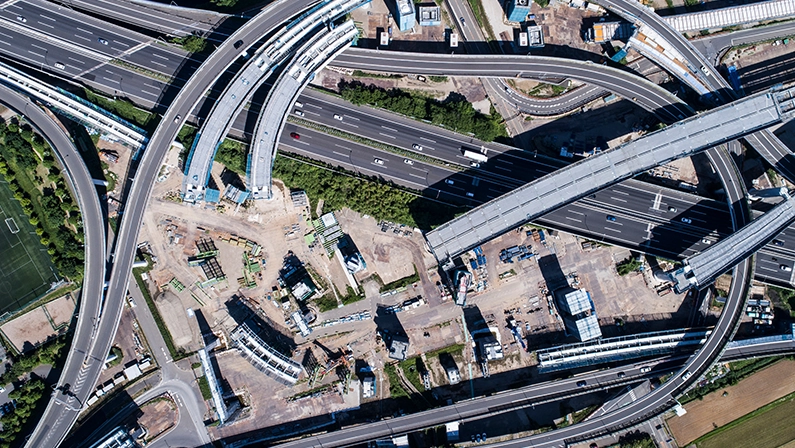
<point>26,271</point>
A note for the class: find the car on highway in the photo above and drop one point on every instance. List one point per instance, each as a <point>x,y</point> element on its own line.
<point>611,218</point>
<point>59,65</point>
<point>449,181</point>
<point>621,374</point>
<point>102,41</point>
<point>470,195</point>
<point>671,209</point>
<point>474,164</point>
<point>687,220</point>
<point>338,117</point>
<point>581,383</point>
<point>295,135</point>
<point>378,161</point>
<point>778,243</point>
<point>686,375</point>
<point>706,241</point>
<point>22,19</point>
<point>299,104</point>
<point>645,369</point>
<point>408,162</point>
<point>299,113</point>
<point>463,22</point>
<point>416,147</point>
<point>177,118</point>
<point>785,268</point>
<point>238,44</point>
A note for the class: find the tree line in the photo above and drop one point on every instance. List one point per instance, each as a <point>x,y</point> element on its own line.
<point>43,195</point>
<point>455,112</point>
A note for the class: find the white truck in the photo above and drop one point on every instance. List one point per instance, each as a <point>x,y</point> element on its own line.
<point>477,156</point>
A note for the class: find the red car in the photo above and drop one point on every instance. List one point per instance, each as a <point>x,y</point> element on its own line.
<point>295,136</point>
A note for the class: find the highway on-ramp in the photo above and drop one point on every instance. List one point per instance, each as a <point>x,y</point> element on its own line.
<point>75,385</point>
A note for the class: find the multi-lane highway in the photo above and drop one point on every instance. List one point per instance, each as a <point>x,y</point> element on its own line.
<point>165,135</point>
<point>76,384</point>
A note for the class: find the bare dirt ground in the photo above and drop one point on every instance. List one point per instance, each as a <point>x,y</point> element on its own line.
<point>34,327</point>
<point>61,310</point>
<point>268,398</point>
<point>716,410</point>
<point>159,415</point>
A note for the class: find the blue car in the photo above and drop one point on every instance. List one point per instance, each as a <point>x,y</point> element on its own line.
<point>611,218</point>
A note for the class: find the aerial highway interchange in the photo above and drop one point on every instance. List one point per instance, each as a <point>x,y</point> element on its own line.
<point>185,100</point>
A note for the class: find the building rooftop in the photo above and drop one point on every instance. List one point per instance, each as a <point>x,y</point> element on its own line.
<point>575,301</point>
<point>405,6</point>
<point>398,349</point>
<point>587,328</point>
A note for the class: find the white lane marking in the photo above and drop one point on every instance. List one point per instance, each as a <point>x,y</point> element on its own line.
<point>123,44</point>
<point>427,140</point>
<point>45,24</point>
<point>502,168</point>
<point>505,161</point>
<point>618,199</point>
<point>37,54</point>
<point>83,30</point>
<point>343,147</point>
<point>4,42</point>
<point>159,56</point>
<point>109,79</point>
<point>313,105</point>
<point>46,17</point>
<point>6,35</point>
<point>150,85</point>
<point>340,154</point>
<point>657,201</point>
<point>621,192</point>
<point>157,63</point>
<point>613,230</point>
<point>82,37</point>
<point>148,93</point>
<point>387,135</point>
<point>575,212</point>
<point>389,129</point>
<point>573,219</point>
<point>351,124</point>
<point>417,176</point>
<point>39,47</point>
<point>76,60</point>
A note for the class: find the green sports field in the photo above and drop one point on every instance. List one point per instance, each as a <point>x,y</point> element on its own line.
<point>26,271</point>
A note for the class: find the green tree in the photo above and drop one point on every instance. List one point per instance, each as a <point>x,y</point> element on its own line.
<point>225,3</point>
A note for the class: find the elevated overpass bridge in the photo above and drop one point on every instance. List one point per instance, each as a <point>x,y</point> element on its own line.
<point>311,58</point>
<point>684,138</point>
<point>703,268</point>
<point>237,94</point>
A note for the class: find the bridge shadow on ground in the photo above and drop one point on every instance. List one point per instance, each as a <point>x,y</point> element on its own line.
<point>440,395</point>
